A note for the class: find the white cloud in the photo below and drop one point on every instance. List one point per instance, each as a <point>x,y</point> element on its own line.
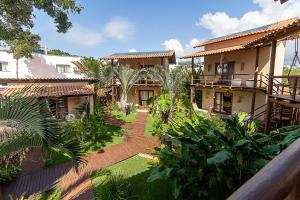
<point>220,23</point>
<point>119,28</point>
<point>132,50</point>
<point>173,44</point>
<point>83,36</point>
<point>181,50</point>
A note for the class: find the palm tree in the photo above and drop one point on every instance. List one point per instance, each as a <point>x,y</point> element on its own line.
<point>27,122</point>
<point>172,85</point>
<point>127,77</point>
<point>96,69</point>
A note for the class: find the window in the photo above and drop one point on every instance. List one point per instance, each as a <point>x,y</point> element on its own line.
<point>225,71</point>
<point>3,66</point>
<point>76,70</point>
<point>145,95</point>
<point>63,68</point>
<point>223,102</point>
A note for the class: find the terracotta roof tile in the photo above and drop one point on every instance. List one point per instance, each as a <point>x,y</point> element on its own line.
<point>49,91</point>
<point>215,51</point>
<point>263,29</point>
<point>136,55</point>
<point>288,32</point>
<point>44,80</point>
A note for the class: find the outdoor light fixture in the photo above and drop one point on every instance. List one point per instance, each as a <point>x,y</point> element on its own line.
<point>242,66</point>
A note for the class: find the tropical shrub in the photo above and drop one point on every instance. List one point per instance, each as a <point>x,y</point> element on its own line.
<point>9,170</point>
<point>117,187</point>
<point>182,112</point>
<point>205,163</point>
<point>27,122</point>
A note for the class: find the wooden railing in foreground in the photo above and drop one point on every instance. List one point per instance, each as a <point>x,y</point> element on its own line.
<point>278,180</point>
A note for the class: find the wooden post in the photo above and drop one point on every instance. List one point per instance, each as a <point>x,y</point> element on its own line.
<point>112,84</point>
<point>260,79</point>
<point>270,86</point>
<point>193,67</point>
<point>255,82</point>
<point>295,88</point>
<point>192,94</point>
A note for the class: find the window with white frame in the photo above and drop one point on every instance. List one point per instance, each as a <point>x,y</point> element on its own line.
<point>63,68</point>
<point>3,66</point>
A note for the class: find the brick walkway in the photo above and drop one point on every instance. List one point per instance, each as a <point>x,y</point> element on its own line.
<point>79,186</point>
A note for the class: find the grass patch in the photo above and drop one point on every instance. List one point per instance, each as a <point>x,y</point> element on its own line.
<point>149,125</point>
<point>131,118</point>
<point>110,135</point>
<point>136,170</point>
<point>54,194</point>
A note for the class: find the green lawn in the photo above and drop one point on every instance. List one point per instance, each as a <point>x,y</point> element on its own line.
<point>149,125</point>
<point>113,135</point>
<point>53,194</point>
<point>131,118</point>
<point>137,170</point>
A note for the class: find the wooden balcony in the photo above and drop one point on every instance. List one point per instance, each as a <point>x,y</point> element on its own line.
<point>233,81</point>
<point>286,88</point>
<point>143,82</point>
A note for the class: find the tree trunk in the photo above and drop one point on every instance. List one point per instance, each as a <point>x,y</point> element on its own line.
<point>123,102</point>
<point>17,68</point>
<point>171,94</point>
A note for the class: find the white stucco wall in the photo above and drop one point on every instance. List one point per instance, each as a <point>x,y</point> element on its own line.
<point>40,66</point>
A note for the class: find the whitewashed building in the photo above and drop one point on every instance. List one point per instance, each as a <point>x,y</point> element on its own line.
<point>61,82</point>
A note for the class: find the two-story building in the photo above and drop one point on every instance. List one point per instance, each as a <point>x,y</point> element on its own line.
<point>143,89</point>
<point>53,77</point>
<point>236,75</point>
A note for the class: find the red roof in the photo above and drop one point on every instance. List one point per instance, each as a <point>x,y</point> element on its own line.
<point>49,91</point>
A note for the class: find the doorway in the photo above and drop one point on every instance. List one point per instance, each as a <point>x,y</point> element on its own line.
<point>223,103</point>
<point>144,96</point>
<point>198,98</point>
<point>225,71</point>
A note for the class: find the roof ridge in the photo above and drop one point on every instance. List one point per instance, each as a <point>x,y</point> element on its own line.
<point>259,29</point>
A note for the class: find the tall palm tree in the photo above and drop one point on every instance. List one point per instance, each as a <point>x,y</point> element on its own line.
<point>96,69</point>
<point>172,85</point>
<point>127,77</point>
<point>27,122</point>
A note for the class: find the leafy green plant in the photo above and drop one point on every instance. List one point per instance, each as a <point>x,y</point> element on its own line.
<point>204,163</point>
<point>27,122</point>
<point>9,171</point>
<point>182,113</point>
<point>117,187</point>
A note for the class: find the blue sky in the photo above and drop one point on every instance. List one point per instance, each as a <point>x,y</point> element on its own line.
<point>108,26</point>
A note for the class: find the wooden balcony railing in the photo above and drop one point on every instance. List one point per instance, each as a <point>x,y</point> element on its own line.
<point>235,80</point>
<point>142,82</point>
<point>278,180</point>
<point>287,86</point>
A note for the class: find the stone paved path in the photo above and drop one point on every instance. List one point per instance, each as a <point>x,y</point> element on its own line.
<point>79,186</point>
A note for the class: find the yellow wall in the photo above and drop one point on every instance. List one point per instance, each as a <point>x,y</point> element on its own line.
<point>136,63</point>
<point>241,100</point>
<point>133,95</point>
<point>75,102</point>
<point>248,58</point>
